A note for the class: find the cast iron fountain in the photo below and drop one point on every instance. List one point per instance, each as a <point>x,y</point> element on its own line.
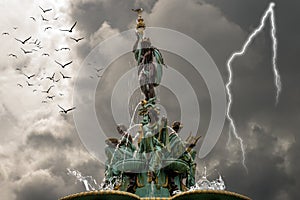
<point>153,162</point>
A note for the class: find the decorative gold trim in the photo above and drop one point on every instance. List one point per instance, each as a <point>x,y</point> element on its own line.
<point>166,183</point>
<point>183,187</point>
<point>70,197</point>
<point>81,194</point>
<point>138,183</point>
<point>213,192</point>
<point>117,187</point>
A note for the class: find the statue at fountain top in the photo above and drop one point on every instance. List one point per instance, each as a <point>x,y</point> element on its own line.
<point>149,73</point>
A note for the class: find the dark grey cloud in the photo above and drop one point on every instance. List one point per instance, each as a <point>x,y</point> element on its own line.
<point>91,14</point>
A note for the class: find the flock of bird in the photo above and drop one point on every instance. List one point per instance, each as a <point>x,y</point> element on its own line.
<point>30,46</point>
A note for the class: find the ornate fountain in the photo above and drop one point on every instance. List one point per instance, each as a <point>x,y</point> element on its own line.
<point>153,162</point>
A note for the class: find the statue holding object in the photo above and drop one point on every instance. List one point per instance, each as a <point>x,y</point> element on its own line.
<point>149,74</point>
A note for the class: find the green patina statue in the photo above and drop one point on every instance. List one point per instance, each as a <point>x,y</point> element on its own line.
<point>156,163</point>
<point>160,162</point>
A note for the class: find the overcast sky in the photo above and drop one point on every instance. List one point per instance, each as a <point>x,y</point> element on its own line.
<point>38,143</point>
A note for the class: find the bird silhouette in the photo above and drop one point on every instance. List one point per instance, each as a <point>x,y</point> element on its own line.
<point>33,18</point>
<point>63,65</point>
<point>29,84</point>
<point>13,55</point>
<point>34,90</point>
<point>65,110</point>
<point>45,54</point>
<point>56,18</point>
<point>29,77</point>
<point>64,76</point>
<point>23,42</point>
<point>45,10</point>
<point>51,78</point>
<point>69,30</point>
<point>50,97</point>
<point>65,48</point>
<point>77,40</point>
<point>98,70</point>
<point>25,51</point>
<point>48,27</point>
<point>15,28</point>
<point>44,19</point>
<point>20,85</point>
<point>47,91</point>
<point>5,33</point>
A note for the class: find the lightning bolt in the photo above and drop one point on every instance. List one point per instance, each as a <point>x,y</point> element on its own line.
<point>269,12</point>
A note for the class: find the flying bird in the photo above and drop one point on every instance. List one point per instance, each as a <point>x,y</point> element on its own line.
<point>65,48</point>
<point>33,18</point>
<point>34,90</point>
<point>45,54</point>
<point>64,110</point>
<point>51,78</point>
<point>56,18</point>
<point>23,42</point>
<point>45,10</point>
<point>65,76</point>
<point>69,30</point>
<point>50,97</point>
<point>44,19</point>
<point>15,28</point>
<point>5,33</point>
<point>48,27</point>
<point>29,84</point>
<point>77,40</point>
<point>29,77</point>
<point>47,91</point>
<point>20,85</point>
<point>98,70</point>
<point>13,55</point>
<point>25,51</point>
<point>63,65</point>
